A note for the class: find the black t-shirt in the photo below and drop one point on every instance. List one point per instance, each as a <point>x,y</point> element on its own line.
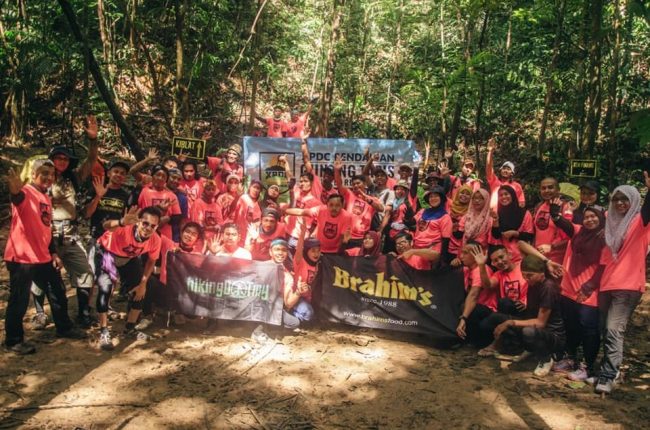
<point>112,206</point>
<point>546,295</point>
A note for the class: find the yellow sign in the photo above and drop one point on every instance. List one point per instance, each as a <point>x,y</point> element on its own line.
<point>583,168</point>
<point>191,148</point>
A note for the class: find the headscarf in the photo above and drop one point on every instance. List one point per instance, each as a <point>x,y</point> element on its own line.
<point>432,214</point>
<point>376,240</point>
<point>459,209</point>
<point>511,216</point>
<point>587,245</point>
<point>310,242</point>
<point>617,225</point>
<point>477,222</point>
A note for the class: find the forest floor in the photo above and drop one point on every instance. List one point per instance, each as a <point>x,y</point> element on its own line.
<point>331,377</point>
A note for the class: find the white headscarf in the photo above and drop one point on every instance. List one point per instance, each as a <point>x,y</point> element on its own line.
<point>617,225</point>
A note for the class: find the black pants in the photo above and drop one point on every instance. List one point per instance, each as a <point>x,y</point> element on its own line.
<point>581,322</point>
<point>47,279</point>
<point>476,335</point>
<point>130,276</point>
<point>155,295</point>
<point>541,342</point>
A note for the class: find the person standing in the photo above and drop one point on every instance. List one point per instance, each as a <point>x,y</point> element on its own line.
<point>505,177</point>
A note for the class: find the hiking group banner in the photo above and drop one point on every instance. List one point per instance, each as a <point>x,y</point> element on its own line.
<point>384,292</point>
<point>261,156</point>
<point>225,288</point>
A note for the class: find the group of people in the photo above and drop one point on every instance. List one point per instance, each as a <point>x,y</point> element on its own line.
<point>561,278</point>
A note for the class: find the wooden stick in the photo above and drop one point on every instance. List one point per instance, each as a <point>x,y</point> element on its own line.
<point>64,406</point>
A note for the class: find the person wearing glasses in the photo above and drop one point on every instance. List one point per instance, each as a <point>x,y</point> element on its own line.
<point>118,257</point>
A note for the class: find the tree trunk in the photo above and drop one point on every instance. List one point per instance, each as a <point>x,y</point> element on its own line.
<point>595,95</point>
<point>541,140</point>
<point>458,109</point>
<point>579,106</point>
<point>611,117</point>
<point>396,57</point>
<point>443,108</point>
<point>127,134</point>
<point>180,110</point>
<point>329,80</point>
<point>481,96</point>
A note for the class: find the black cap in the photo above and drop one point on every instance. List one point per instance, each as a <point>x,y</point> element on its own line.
<point>119,163</point>
<point>63,150</point>
<point>591,185</point>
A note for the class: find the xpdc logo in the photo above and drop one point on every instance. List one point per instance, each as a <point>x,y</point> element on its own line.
<point>272,172</point>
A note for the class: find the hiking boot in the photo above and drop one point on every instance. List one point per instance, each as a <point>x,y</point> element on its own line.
<point>580,374</point>
<point>543,368</point>
<point>105,341</point>
<point>144,324</point>
<point>73,333</point>
<point>565,365</point>
<point>22,348</point>
<point>39,321</point>
<point>604,385</point>
<point>259,336</point>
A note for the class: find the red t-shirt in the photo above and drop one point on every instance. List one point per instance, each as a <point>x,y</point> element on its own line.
<point>361,211</point>
<point>488,296</point>
<point>571,285</point>
<point>30,233</point>
<point>227,203</point>
<point>397,215</point>
<point>247,212</point>
<point>330,230</point>
<point>192,189</point>
<point>325,194</point>
<point>220,172</point>
<point>122,243</point>
<point>454,243</point>
<point>260,247</point>
<point>483,238</point>
<point>207,215</point>
<point>429,234</point>
<point>295,129</point>
<point>151,197</point>
<point>495,183</point>
<point>547,233</point>
<point>456,184</point>
<point>627,270</point>
<point>512,285</point>
<point>307,273</point>
<point>275,128</point>
<point>304,201</point>
<point>418,263</point>
<point>512,245</point>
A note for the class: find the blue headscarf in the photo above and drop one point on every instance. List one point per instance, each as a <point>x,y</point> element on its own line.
<point>432,214</point>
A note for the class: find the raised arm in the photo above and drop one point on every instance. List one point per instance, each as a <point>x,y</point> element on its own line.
<point>135,169</point>
<point>304,148</point>
<point>338,166</point>
<point>90,128</point>
<point>413,191</point>
<point>555,269</point>
<point>480,256</point>
<point>489,162</point>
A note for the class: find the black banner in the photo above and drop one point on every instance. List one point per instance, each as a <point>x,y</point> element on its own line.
<point>386,293</point>
<point>225,288</point>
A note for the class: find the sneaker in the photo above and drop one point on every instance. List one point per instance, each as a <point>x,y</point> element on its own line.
<point>105,341</point>
<point>543,368</point>
<point>144,324</point>
<point>604,385</point>
<point>591,380</point>
<point>580,374</point>
<point>259,336</point>
<point>565,365</point>
<point>136,334</point>
<point>22,348</point>
<point>40,321</point>
<point>73,333</point>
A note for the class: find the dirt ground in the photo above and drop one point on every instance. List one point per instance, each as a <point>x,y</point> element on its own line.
<point>332,377</point>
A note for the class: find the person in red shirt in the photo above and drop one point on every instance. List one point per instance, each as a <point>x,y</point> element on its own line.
<point>333,222</point>
<point>296,126</point>
<point>223,167</point>
<point>275,125</point>
<point>477,224</point>
<point>627,235</point>
<point>358,203</point>
<point>207,212</point>
<point>248,212</point>
<point>506,173</point>
<point>30,256</point>
<point>457,211</point>
<point>259,238</point>
<point>118,257</point>
<point>417,258</point>
<point>192,183</point>
<point>403,207</point>
<point>464,178</point>
<point>305,264</point>
<point>433,224</point>
<point>297,309</point>
<point>371,246</point>
<point>160,196</point>
<point>480,302</point>
<point>510,223</point>
<point>550,240</point>
<point>228,200</point>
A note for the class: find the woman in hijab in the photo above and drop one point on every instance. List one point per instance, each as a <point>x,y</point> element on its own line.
<point>457,211</point>
<point>511,223</point>
<point>627,236</point>
<point>433,224</point>
<point>475,226</point>
<point>370,247</point>
<point>305,263</point>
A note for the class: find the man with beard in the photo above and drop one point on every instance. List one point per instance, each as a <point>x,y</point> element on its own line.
<point>551,240</point>
<point>259,238</point>
<point>223,167</point>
